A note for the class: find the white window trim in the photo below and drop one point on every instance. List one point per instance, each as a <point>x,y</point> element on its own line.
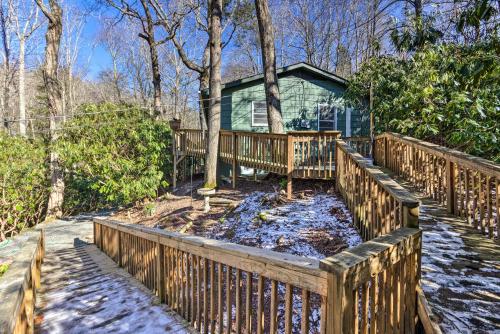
<point>335,109</point>
<point>253,121</point>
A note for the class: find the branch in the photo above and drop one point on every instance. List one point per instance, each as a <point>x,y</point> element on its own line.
<point>45,10</point>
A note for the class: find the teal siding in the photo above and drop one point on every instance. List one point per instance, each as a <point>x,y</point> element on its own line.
<point>301,92</point>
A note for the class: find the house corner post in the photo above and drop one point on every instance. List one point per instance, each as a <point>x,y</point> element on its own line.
<point>289,169</point>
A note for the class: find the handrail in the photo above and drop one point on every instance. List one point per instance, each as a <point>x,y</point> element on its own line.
<point>467,160</point>
<point>299,154</point>
<point>469,186</point>
<point>362,279</point>
<point>193,275</point>
<point>19,284</point>
<point>378,203</point>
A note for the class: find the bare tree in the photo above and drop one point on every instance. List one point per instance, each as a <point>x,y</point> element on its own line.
<point>25,16</point>
<point>274,117</point>
<point>214,103</point>
<point>54,99</point>
<point>7,71</point>
<point>148,23</point>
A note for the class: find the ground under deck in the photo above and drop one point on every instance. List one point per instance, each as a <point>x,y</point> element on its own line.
<point>84,291</point>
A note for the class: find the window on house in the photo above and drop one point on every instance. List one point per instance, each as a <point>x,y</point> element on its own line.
<point>327,117</point>
<point>259,113</point>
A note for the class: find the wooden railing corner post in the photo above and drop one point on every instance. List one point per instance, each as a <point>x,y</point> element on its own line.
<point>386,150</point>
<point>289,165</point>
<point>450,186</point>
<point>337,314</point>
<point>410,212</point>
<point>336,162</point>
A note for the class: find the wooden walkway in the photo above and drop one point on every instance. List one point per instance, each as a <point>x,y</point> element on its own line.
<point>460,270</point>
<point>84,291</point>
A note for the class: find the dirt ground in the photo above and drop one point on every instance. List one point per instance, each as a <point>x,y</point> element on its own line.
<point>172,211</point>
<point>182,210</point>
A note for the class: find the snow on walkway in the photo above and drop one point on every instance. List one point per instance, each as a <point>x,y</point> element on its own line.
<point>83,291</point>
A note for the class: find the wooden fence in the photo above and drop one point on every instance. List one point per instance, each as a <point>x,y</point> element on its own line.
<point>297,154</point>
<point>469,186</point>
<point>18,287</point>
<point>362,145</point>
<point>221,287</point>
<point>379,205</point>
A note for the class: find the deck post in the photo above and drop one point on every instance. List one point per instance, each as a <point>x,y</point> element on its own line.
<point>119,247</point>
<point>450,186</point>
<point>235,156</point>
<point>289,165</point>
<point>410,212</point>
<point>160,278</point>
<point>174,154</point>
<point>338,304</point>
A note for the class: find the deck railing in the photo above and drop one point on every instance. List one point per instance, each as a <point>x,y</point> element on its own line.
<point>379,204</point>
<point>222,287</point>
<point>362,145</point>
<point>298,154</point>
<point>469,186</point>
<point>19,284</point>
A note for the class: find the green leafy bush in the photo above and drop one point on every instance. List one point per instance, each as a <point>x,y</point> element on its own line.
<point>23,184</point>
<point>113,155</point>
<point>448,94</point>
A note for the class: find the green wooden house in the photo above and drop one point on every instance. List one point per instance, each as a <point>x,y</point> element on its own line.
<point>311,99</point>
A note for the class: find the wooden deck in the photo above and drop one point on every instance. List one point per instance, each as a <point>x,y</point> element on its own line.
<point>460,269</point>
<point>83,291</point>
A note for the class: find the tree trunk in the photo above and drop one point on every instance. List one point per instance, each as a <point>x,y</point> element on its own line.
<point>214,103</point>
<point>22,88</point>
<point>54,99</point>
<point>266,33</point>
<point>155,65</point>
<point>4,125</point>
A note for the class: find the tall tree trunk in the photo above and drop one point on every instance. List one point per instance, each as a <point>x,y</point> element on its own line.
<point>4,125</point>
<point>266,33</point>
<point>214,103</point>
<point>22,88</point>
<point>155,65</point>
<point>54,99</point>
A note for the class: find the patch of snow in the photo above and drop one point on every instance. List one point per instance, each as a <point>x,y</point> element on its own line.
<point>288,226</point>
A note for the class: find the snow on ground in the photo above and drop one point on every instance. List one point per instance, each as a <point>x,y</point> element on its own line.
<point>462,286</point>
<point>315,226</point>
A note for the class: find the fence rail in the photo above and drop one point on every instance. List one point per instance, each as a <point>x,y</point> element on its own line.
<point>469,186</point>
<point>297,154</point>
<point>18,287</point>
<point>222,287</point>
<point>379,205</point>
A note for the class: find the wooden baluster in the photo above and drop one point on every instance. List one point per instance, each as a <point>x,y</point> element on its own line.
<point>305,312</point>
<point>288,308</point>
<point>238,301</point>
<point>213,319</point>
<point>220,307</point>
<point>274,308</point>
<point>248,303</point>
